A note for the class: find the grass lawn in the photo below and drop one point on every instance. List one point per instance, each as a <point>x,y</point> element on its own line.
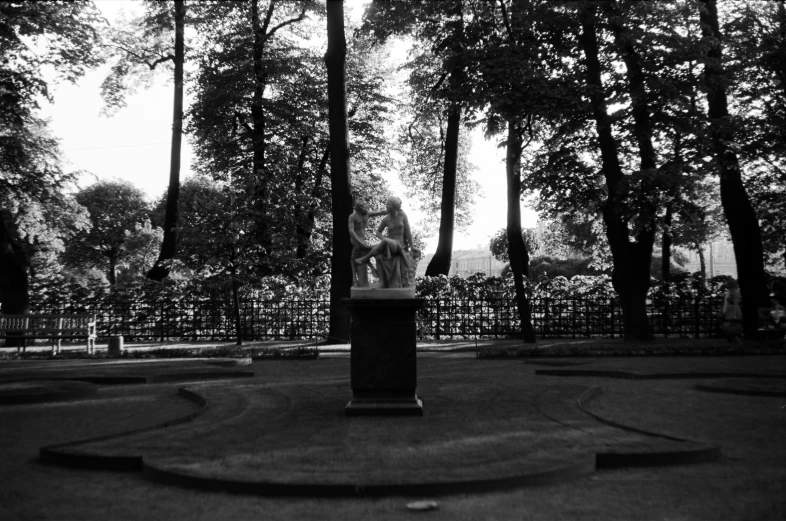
<point>483,417</point>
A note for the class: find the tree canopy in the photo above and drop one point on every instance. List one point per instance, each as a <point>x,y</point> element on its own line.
<point>633,127</point>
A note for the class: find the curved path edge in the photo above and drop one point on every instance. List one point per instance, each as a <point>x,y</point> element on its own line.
<point>61,455</point>
<point>649,376</point>
<point>746,392</point>
<point>580,467</point>
<point>698,453</point>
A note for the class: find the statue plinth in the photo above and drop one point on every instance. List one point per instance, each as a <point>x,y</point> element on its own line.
<point>384,356</point>
<point>382,293</point>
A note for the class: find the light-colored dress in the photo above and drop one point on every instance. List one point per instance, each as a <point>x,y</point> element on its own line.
<point>732,312</point>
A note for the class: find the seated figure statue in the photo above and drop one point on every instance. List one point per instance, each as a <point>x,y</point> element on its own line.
<point>395,255</point>
<point>357,236</point>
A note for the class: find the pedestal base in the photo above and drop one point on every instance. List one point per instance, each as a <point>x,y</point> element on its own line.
<point>384,357</point>
<point>379,406</point>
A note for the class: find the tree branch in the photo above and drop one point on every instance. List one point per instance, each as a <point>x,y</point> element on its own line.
<point>506,19</point>
<point>285,23</point>
<point>144,59</point>
<point>268,16</point>
<point>437,85</point>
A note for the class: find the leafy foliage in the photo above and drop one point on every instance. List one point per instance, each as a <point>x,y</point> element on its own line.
<point>295,203</point>
<point>120,235</point>
<point>422,141</point>
<point>35,215</point>
<point>139,49</point>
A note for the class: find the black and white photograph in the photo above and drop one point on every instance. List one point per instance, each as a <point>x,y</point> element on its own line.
<point>393,259</point>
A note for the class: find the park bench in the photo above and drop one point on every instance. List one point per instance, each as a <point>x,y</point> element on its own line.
<point>770,332</point>
<point>54,327</point>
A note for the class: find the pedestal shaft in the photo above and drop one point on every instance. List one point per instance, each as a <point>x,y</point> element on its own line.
<point>384,357</point>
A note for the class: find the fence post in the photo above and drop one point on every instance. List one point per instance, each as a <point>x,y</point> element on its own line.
<point>697,321</point>
<point>611,306</point>
<point>438,320</point>
<point>573,301</point>
<point>162,323</point>
<point>587,316</point>
<point>278,321</point>
<point>253,317</point>
<point>666,318</point>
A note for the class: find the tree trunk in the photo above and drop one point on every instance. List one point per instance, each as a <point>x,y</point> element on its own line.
<point>112,274</point>
<point>161,268</point>
<point>302,233</point>
<point>666,248</point>
<point>440,263</point>
<point>311,215</point>
<point>517,250</point>
<point>14,281</point>
<point>740,215</point>
<point>340,174</point>
<point>631,272</point>
<point>258,123</point>
<point>702,263</point>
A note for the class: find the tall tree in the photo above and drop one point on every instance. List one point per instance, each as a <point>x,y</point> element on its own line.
<point>515,93</point>
<point>517,251</point>
<point>740,215</point>
<point>753,58</point>
<point>423,142</point>
<point>263,32</point>
<point>631,274</point>
<point>340,173</point>
<point>161,268</point>
<point>31,179</point>
<point>440,262</point>
<point>293,151</point>
<point>439,27</point>
<point>142,46</point>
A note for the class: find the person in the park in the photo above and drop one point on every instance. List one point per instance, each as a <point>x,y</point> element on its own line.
<point>732,311</point>
<point>396,257</point>
<point>357,236</point>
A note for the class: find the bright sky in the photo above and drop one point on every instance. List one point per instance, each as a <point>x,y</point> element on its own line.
<point>134,144</point>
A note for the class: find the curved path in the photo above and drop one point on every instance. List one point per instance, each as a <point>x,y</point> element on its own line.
<point>281,438</point>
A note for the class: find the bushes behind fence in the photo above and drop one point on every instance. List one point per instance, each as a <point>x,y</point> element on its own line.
<point>455,307</point>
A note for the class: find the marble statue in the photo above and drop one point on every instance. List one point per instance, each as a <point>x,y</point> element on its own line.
<point>357,236</point>
<point>395,256</point>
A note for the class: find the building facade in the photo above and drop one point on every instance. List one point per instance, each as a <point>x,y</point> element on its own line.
<point>718,259</point>
<point>467,262</point>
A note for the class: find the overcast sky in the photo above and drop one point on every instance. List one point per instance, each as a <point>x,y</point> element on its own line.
<point>134,144</point>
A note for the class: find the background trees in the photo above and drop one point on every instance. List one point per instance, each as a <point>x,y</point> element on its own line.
<point>120,229</point>
<point>740,214</point>
<point>35,213</point>
<point>618,118</point>
<point>437,85</point>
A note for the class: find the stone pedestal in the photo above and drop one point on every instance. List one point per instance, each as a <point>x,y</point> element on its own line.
<point>384,357</point>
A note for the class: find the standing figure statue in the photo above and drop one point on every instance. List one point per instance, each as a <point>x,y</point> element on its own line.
<point>395,262</point>
<point>357,235</point>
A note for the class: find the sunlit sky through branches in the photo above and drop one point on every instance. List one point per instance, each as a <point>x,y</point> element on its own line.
<point>134,144</point>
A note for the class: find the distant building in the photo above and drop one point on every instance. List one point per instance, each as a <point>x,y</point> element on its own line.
<point>467,262</point>
<point>718,259</point>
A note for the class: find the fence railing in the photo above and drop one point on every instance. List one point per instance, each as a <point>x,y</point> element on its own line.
<point>440,318</point>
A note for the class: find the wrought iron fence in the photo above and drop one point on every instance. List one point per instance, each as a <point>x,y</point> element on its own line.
<point>440,318</point>
<point>564,317</point>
